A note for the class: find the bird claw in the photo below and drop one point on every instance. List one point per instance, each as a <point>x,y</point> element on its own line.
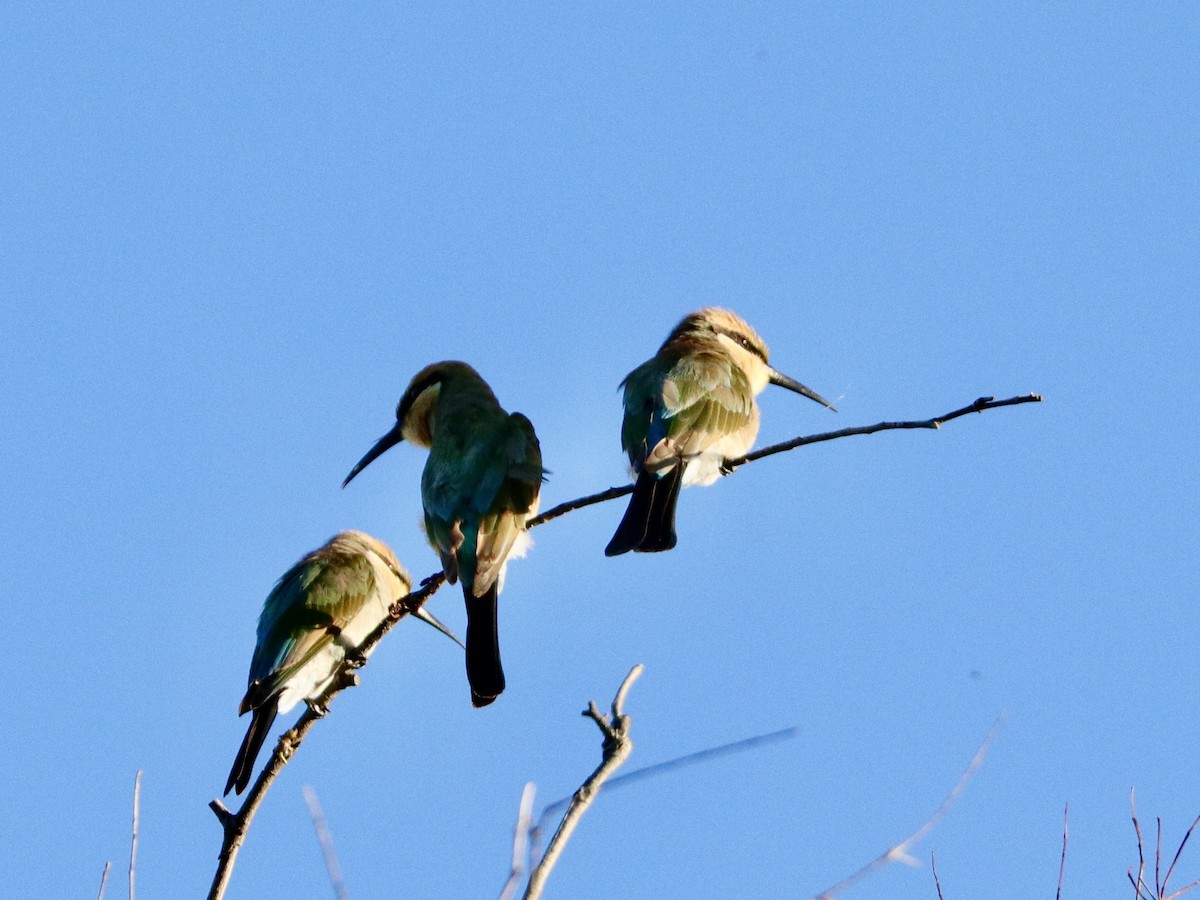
<point>355,659</point>
<point>287,744</point>
<point>726,467</point>
<point>319,709</point>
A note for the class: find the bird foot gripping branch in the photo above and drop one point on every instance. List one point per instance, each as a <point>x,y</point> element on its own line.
<point>317,708</point>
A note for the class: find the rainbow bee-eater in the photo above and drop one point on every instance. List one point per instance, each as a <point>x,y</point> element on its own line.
<point>479,487</point>
<point>689,409</point>
<point>318,613</point>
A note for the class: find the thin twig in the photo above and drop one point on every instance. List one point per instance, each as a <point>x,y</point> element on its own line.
<point>133,843</point>
<point>1062,860</point>
<point>1141,889</point>
<point>980,405</point>
<point>234,826</point>
<point>325,839</point>
<point>591,499</point>
<point>899,852</point>
<point>520,854</point>
<point>937,882</point>
<point>104,879</point>
<point>1137,830</point>
<point>677,763</point>
<point>1158,857</point>
<point>983,403</point>
<point>1182,844</point>
<point>615,749</point>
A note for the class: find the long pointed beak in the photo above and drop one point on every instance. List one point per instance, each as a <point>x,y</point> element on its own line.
<point>429,619</point>
<point>391,439</point>
<point>792,384</point>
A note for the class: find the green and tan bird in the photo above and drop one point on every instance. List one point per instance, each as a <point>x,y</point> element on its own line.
<point>479,487</point>
<point>688,409</point>
<point>318,613</point>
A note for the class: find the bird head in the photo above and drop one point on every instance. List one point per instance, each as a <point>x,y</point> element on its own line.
<point>417,409</point>
<point>361,542</point>
<point>735,336</point>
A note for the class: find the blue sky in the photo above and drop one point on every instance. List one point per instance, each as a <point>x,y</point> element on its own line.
<point>232,236</point>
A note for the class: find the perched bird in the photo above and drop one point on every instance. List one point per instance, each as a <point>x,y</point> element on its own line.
<point>318,613</point>
<point>688,409</point>
<point>479,487</point>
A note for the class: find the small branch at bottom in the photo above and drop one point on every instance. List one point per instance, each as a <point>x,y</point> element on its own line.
<point>616,747</point>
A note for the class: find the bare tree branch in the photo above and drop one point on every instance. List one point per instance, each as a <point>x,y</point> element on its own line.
<point>615,749</point>
<point>1142,890</point>
<point>678,762</point>
<point>1062,860</point>
<point>104,879</point>
<point>235,825</point>
<point>899,852</point>
<point>133,843</point>
<point>937,882</point>
<point>1171,868</point>
<point>521,832</point>
<point>325,839</point>
<point>980,405</point>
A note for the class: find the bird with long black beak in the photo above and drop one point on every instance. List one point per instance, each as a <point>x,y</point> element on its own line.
<point>479,487</point>
<point>688,409</point>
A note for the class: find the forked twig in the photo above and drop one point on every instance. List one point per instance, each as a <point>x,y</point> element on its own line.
<point>899,852</point>
<point>1141,889</point>
<point>615,749</point>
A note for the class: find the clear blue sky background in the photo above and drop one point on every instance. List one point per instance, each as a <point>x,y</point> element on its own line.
<point>231,235</point>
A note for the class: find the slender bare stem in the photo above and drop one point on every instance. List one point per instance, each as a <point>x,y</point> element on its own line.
<point>937,882</point>
<point>325,839</point>
<point>1142,890</point>
<point>1062,860</point>
<point>1140,882</point>
<point>104,879</point>
<point>900,852</point>
<point>1182,844</point>
<point>615,749</point>
<point>678,762</point>
<point>235,825</point>
<point>520,854</point>
<point>1158,856</point>
<point>980,405</point>
<point>133,843</point>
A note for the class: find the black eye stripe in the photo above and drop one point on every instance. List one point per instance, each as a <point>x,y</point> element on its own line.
<point>743,341</point>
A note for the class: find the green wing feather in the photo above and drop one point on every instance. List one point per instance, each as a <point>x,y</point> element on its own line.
<point>519,461</point>
<point>306,610</point>
<point>697,400</point>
